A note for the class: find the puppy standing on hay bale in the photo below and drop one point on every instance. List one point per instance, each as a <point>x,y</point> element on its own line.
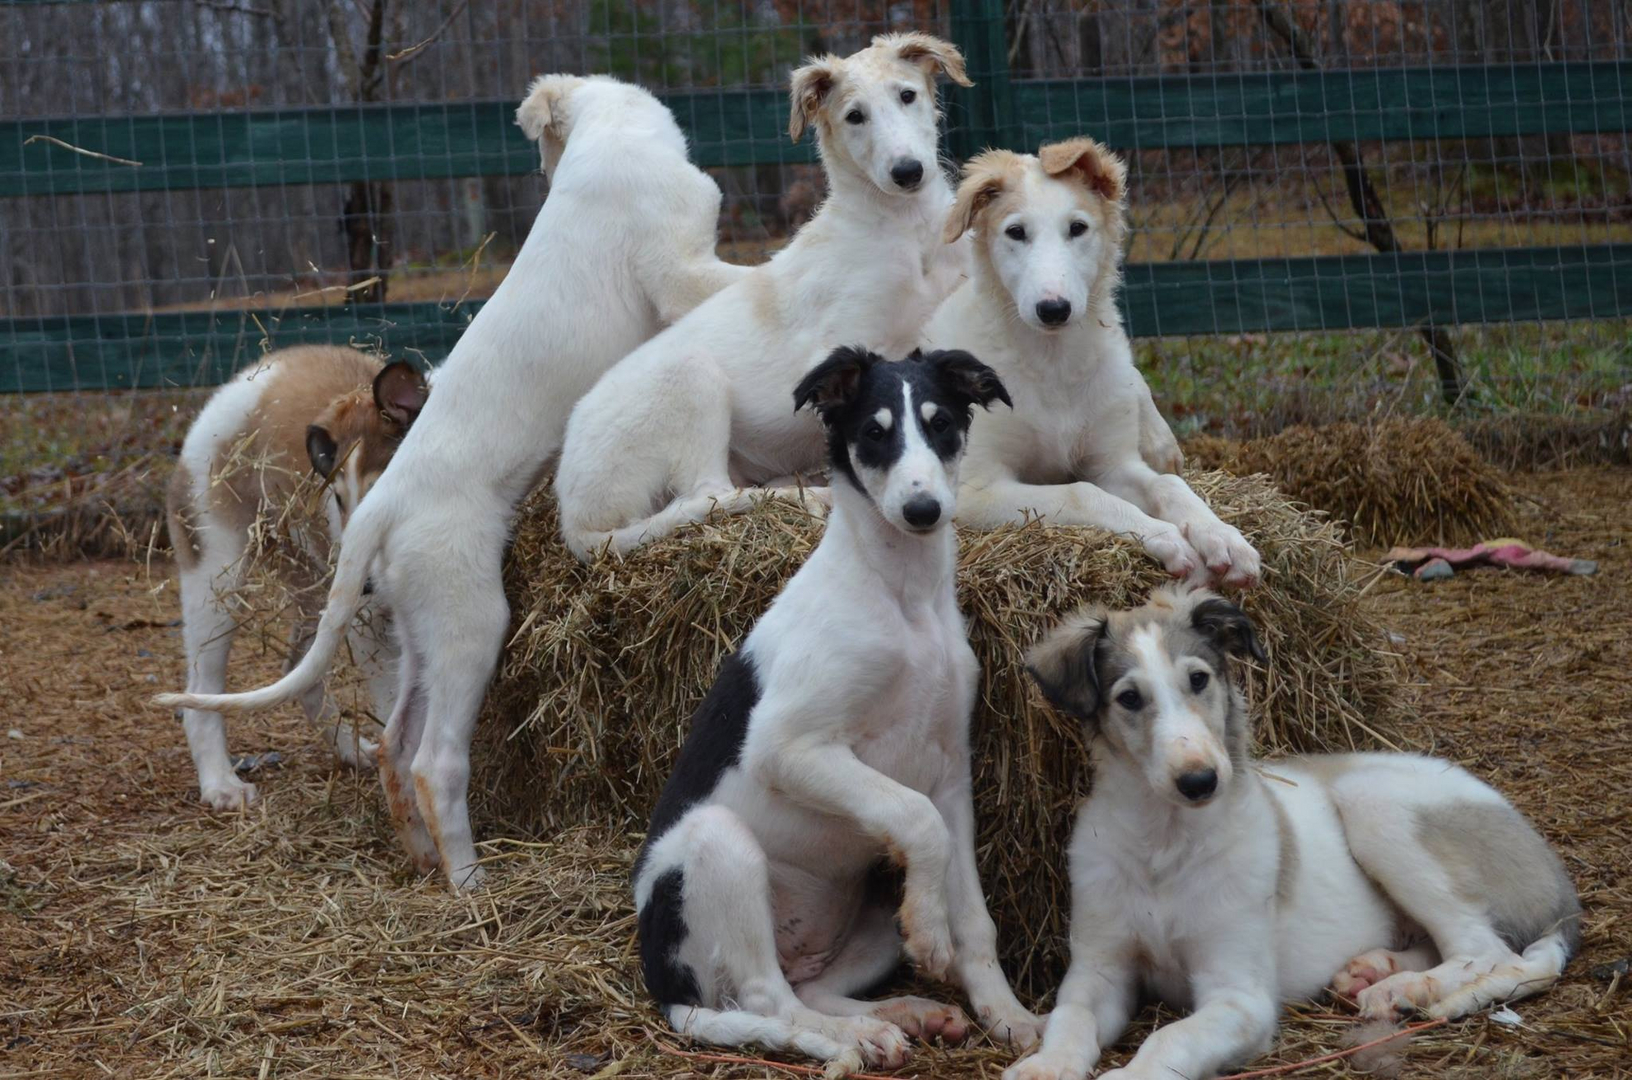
<point>239,486</point>
<point>677,431</point>
<point>1226,889</point>
<point>1085,444</point>
<point>836,736</point>
<point>624,243</point>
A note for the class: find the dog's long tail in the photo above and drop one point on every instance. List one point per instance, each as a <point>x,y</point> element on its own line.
<point>733,1027</point>
<point>362,541</point>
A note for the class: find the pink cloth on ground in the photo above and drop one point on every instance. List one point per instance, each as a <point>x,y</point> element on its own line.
<point>1505,552</point>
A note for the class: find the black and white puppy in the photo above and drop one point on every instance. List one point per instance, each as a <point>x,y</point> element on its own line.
<point>835,738</point>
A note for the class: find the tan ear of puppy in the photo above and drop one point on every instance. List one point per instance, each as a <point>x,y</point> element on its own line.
<point>930,53</point>
<point>541,112</point>
<point>1063,663</point>
<point>985,177</point>
<point>807,89</point>
<point>1102,171</point>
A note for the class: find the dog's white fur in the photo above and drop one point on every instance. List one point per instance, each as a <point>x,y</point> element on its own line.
<point>1084,444</point>
<point>1417,884</point>
<point>242,471</point>
<point>858,744</point>
<point>677,430</point>
<point>624,244</point>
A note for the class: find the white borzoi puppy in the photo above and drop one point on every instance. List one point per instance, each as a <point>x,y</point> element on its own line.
<point>835,738</point>
<point>1218,887</point>
<point>1084,444</point>
<point>681,426</point>
<point>624,244</point>
<point>242,470</point>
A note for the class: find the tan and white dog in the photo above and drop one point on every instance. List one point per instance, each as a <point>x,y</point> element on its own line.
<point>242,469</point>
<point>624,244</point>
<point>1084,444</point>
<point>686,423</point>
<point>1220,887</point>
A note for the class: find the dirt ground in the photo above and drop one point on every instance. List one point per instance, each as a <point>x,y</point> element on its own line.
<point>142,936</point>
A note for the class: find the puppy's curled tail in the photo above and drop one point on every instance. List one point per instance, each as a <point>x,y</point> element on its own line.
<point>362,541</point>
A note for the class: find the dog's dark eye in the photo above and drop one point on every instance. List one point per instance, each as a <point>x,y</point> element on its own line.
<point>1130,700</point>
<point>1015,232</point>
<point>908,96</point>
<point>873,433</point>
<point>1198,681</point>
<point>854,116</point>
<point>940,423</point>
<point>1078,228</point>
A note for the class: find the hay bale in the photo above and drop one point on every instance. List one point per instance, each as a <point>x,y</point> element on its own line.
<point>1396,481</point>
<point>607,662</point>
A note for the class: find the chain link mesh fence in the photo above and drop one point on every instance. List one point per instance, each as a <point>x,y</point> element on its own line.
<point>1341,207</point>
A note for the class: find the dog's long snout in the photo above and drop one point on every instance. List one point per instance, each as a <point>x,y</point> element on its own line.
<point>1053,312</point>
<point>907,173</point>
<point>1199,785</point>
<point>921,511</point>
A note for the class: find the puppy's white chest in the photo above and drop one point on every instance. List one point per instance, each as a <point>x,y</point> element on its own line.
<point>912,730</point>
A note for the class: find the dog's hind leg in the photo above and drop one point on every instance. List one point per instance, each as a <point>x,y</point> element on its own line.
<point>870,954</point>
<point>207,630</point>
<point>403,732</point>
<point>322,712</point>
<point>707,938</point>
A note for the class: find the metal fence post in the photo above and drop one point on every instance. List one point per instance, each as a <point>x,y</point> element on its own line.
<point>982,115</point>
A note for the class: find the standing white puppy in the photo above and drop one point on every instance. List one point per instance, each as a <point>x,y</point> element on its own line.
<point>838,737</point>
<point>680,427</point>
<point>624,244</point>
<point>1212,885</point>
<point>241,470</point>
<point>1084,444</point>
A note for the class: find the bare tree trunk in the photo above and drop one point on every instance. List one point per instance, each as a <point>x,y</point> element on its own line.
<point>1363,197</point>
<point>367,213</point>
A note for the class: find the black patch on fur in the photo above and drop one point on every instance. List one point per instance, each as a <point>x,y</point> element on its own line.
<point>662,929</point>
<point>1228,627</point>
<point>713,745</point>
<point>853,385</point>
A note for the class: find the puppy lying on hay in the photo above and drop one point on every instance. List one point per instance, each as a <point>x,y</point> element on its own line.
<point>1395,481</point>
<point>607,662</point>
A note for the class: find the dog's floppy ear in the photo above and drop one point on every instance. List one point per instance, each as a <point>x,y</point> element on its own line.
<point>833,382</point>
<point>984,179</point>
<point>1227,627</point>
<point>321,449</point>
<point>1065,664</point>
<point>1102,171</point>
<point>543,112</point>
<point>970,379</point>
<point>931,54</point>
<point>807,90</point>
<point>400,392</point>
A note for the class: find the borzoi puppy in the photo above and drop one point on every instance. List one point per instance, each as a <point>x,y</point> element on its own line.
<point>836,737</point>
<point>1084,445</point>
<point>1225,889</point>
<point>624,243</point>
<point>677,429</point>
<point>241,471</point>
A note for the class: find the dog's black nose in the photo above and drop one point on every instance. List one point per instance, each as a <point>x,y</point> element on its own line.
<point>921,511</point>
<point>1053,312</point>
<point>1197,786</point>
<point>907,174</point>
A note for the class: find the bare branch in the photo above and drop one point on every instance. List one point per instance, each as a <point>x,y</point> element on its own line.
<point>413,51</point>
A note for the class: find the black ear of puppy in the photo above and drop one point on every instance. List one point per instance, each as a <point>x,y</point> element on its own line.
<point>834,380</point>
<point>1064,664</point>
<point>400,392</point>
<point>1228,627</point>
<point>969,378</point>
<point>322,449</point>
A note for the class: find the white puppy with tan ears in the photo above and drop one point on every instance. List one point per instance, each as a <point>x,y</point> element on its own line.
<point>1084,444</point>
<point>1218,887</point>
<point>624,244</point>
<point>685,424</point>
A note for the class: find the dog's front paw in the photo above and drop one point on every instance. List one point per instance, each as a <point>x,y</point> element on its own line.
<point>1230,560</point>
<point>1167,545</point>
<point>1018,1029</point>
<point>229,794</point>
<point>928,935</point>
<point>1044,1066</point>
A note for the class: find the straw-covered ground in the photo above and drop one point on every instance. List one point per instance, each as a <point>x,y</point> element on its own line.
<point>142,936</point>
